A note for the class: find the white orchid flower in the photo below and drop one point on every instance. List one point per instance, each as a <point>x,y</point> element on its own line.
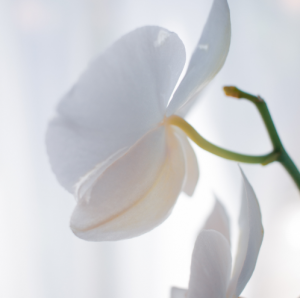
<point>111,144</point>
<point>211,274</point>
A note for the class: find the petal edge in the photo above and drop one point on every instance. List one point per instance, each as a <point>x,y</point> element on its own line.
<point>208,58</point>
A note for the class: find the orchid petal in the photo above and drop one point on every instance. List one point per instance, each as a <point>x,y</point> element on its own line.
<point>178,293</point>
<point>133,194</point>
<point>208,57</point>
<point>211,266</point>
<point>251,236</point>
<point>185,109</point>
<point>122,95</point>
<point>218,220</point>
<point>191,163</point>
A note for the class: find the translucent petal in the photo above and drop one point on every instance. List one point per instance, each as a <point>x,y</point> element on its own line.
<point>120,97</point>
<point>178,293</point>
<point>211,266</point>
<point>219,220</point>
<point>208,57</point>
<point>135,193</point>
<point>191,163</point>
<point>251,236</point>
<point>184,110</point>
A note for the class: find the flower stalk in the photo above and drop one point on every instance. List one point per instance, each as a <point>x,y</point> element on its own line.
<point>278,154</point>
<point>207,146</point>
<point>282,155</point>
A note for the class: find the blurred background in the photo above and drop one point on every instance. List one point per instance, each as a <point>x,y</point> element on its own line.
<point>44,46</point>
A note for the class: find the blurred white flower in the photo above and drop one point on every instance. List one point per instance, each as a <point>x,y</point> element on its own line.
<point>211,269</point>
<point>110,143</point>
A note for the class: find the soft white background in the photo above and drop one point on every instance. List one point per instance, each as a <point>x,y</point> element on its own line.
<point>44,46</point>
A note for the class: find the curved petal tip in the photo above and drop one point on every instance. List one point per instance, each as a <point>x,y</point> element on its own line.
<point>208,57</point>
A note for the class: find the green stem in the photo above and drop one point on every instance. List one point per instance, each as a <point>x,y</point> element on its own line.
<point>204,144</point>
<point>291,168</point>
<point>263,110</point>
<point>282,155</point>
